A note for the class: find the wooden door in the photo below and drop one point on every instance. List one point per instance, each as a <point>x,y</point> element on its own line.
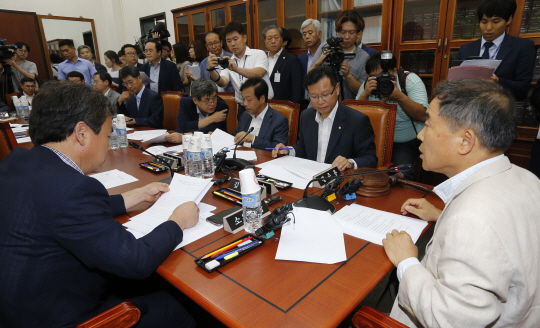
<point>240,11</point>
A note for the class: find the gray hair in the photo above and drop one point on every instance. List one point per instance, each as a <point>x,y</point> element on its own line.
<point>84,47</point>
<point>271,27</point>
<point>483,106</point>
<point>316,24</point>
<point>202,87</point>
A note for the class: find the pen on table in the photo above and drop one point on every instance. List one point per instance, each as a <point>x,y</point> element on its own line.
<point>150,167</point>
<point>227,197</point>
<point>232,195</point>
<point>230,247</point>
<point>285,148</point>
<point>224,248</point>
<point>222,256</point>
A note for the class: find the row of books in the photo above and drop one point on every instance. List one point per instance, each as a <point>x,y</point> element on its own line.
<point>536,71</point>
<point>328,28</point>
<point>421,25</point>
<point>526,114</point>
<point>373,29</point>
<point>530,23</point>
<point>419,62</point>
<point>328,5</point>
<point>359,3</point>
<point>466,24</point>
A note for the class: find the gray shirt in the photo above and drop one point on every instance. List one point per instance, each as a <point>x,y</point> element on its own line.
<point>358,69</point>
<point>28,66</point>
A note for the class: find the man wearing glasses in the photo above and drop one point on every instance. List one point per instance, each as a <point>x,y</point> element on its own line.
<point>163,73</point>
<point>131,58</point>
<point>204,111</point>
<point>331,132</point>
<point>29,89</point>
<point>214,45</point>
<point>22,67</point>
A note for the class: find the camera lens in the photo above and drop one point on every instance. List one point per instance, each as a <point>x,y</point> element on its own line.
<point>386,88</point>
<point>224,63</point>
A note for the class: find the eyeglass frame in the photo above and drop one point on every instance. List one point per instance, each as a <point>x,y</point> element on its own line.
<point>323,96</point>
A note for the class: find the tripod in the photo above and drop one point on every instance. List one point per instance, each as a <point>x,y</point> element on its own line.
<point>7,78</point>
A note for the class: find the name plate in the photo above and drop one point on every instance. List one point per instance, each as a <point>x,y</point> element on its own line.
<point>234,222</point>
<point>235,185</point>
<point>329,175</point>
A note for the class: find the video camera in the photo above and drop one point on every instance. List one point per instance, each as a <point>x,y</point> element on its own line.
<point>385,84</point>
<point>337,55</point>
<point>158,28</point>
<point>6,51</point>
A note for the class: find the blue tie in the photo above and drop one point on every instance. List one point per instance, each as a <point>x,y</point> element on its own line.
<point>487,45</point>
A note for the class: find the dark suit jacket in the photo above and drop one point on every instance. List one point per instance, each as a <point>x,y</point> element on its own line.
<point>59,242</point>
<point>516,69</point>
<point>188,118</point>
<point>169,77</point>
<point>351,137</point>
<point>150,112</point>
<point>369,50</point>
<point>303,58</point>
<point>99,67</point>
<point>274,129</point>
<point>290,70</point>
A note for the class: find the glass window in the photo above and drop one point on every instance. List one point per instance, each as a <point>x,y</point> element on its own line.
<point>420,20</point>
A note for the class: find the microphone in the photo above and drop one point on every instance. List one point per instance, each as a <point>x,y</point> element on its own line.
<point>321,204</point>
<point>135,145</point>
<point>238,164</point>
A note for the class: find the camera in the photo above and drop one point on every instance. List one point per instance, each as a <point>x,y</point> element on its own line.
<point>385,84</point>
<point>336,55</point>
<point>223,62</point>
<point>159,28</point>
<point>6,51</point>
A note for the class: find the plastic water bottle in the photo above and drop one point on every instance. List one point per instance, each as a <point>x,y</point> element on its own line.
<point>251,201</point>
<point>25,107</point>
<point>18,106</point>
<point>113,140</point>
<point>121,130</point>
<point>208,156</point>
<point>194,163</point>
<point>186,138</point>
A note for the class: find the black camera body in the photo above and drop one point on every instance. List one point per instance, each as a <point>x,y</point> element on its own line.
<point>385,80</point>
<point>223,62</point>
<point>336,55</point>
<point>159,28</point>
<point>6,51</point>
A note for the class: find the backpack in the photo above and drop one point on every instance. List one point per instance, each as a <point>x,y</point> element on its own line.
<point>402,78</point>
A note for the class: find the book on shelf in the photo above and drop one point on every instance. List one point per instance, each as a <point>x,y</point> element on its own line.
<point>427,25</point>
<point>530,116</point>
<point>373,29</point>
<point>536,70</point>
<point>527,7</point>
<point>360,3</point>
<point>417,29</point>
<point>430,63</point>
<point>435,25</point>
<point>468,27</point>
<point>408,25</point>
<point>404,60</point>
<point>534,20</point>
<point>520,111</point>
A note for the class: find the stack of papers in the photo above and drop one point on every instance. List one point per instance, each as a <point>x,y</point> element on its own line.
<point>298,171</point>
<point>114,178</point>
<point>220,140</point>
<point>248,155</point>
<point>23,140</point>
<point>158,150</point>
<point>148,135</point>
<point>19,129</point>
<point>182,189</point>
<point>373,225</point>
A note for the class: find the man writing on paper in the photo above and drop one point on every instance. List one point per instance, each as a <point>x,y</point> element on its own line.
<point>331,132</point>
<point>481,265</point>
<point>270,127</point>
<point>58,236</point>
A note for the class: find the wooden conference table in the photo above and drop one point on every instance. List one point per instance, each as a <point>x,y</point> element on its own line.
<point>257,290</point>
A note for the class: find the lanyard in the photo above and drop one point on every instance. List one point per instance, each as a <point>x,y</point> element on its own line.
<point>240,77</point>
<point>496,51</point>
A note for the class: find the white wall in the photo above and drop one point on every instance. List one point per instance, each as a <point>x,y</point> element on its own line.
<point>66,29</point>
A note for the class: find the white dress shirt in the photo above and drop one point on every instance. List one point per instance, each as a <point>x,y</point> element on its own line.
<point>494,49</point>
<point>29,98</point>
<point>325,129</point>
<point>272,61</point>
<point>201,115</point>
<point>256,123</point>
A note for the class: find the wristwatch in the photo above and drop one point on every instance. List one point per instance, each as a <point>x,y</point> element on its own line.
<point>352,163</point>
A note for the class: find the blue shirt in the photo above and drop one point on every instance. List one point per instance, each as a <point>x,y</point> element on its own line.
<point>82,66</point>
<point>138,96</point>
<point>154,76</point>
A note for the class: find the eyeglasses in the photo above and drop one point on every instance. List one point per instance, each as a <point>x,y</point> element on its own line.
<point>22,50</point>
<point>29,86</point>
<point>213,44</point>
<point>324,96</point>
<point>209,101</point>
<point>151,51</point>
<point>131,54</point>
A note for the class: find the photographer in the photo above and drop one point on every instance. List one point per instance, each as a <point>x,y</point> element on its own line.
<point>411,106</point>
<point>348,25</point>
<point>21,66</point>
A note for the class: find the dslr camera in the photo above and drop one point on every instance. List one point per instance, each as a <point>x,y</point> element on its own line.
<point>385,84</point>
<point>6,51</point>
<point>159,28</point>
<point>337,55</point>
<point>223,62</point>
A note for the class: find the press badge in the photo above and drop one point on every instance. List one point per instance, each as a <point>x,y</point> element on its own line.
<point>277,77</point>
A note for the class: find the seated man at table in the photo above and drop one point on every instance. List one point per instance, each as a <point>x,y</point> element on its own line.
<point>270,127</point>
<point>140,105</point>
<point>63,247</point>
<point>331,132</point>
<point>481,265</point>
<point>75,77</point>
<point>204,111</point>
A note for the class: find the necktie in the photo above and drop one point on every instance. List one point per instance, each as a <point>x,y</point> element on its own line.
<point>487,45</point>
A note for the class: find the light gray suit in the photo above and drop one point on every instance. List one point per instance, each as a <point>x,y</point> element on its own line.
<point>113,97</point>
<point>482,266</point>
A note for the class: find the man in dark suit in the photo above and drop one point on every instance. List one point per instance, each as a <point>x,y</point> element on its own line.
<point>284,68</point>
<point>331,132</point>
<point>102,83</point>
<point>163,72</point>
<point>534,165</point>
<point>59,239</point>
<point>204,111</point>
<point>311,33</point>
<point>131,56</point>
<point>140,105</point>
<point>518,55</point>
<point>270,127</point>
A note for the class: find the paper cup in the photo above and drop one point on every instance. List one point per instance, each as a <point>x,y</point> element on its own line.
<point>248,182</point>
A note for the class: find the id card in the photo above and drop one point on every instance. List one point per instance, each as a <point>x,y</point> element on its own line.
<point>277,77</point>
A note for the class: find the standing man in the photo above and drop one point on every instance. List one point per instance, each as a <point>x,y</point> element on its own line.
<point>214,45</point>
<point>166,49</point>
<point>331,132</point>
<point>515,71</point>
<point>74,63</point>
<point>131,56</point>
<point>311,33</point>
<point>103,82</point>
<point>28,87</point>
<point>21,66</point>
<point>348,25</point>
<point>284,68</point>
<point>245,64</point>
<point>270,127</point>
<point>481,265</point>
<point>163,72</point>
<point>85,52</point>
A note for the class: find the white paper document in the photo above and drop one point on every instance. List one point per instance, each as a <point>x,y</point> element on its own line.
<point>373,225</point>
<point>146,135</point>
<point>195,71</point>
<point>157,139</point>
<point>281,173</point>
<point>315,237</point>
<point>158,150</point>
<point>114,178</point>
<point>145,78</point>
<point>482,62</point>
<point>248,155</point>
<point>20,129</point>
<point>299,166</point>
<point>24,140</point>
<point>221,139</point>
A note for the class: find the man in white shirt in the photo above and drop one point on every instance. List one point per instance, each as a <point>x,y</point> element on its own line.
<point>245,63</point>
<point>102,82</point>
<point>28,87</point>
<point>481,265</point>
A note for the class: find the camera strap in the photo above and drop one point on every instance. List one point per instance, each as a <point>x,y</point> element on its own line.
<point>402,77</point>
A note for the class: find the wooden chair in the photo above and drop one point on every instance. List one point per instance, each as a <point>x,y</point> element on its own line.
<point>292,113</point>
<point>7,140</point>
<point>171,104</point>
<point>229,98</point>
<point>124,315</point>
<point>368,317</point>
<point>8,100</point>
<point>383,121</point>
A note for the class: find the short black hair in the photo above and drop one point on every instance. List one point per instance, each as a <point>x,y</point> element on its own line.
<point>127,45</point>
<point>157,43</point>
<point>199,49</point>
<point>75,74</point>
<point>212,32</point>
<point>260,87</point>
<point>287,37</point>
<point>113,56</point>
<point>375,61</point>
<point>499,8</point>
<point>104,76</point>
<point>319,73</point>
<point>165,43</point>
<point>55,59</point>
<point>66,42</point>
<point>19,45</point>
<point>120,53</point>
<point>60,105</point>
<point>129,71</point>
<point>181,53</point>
<point>27,79</point>
<point>233,27</point>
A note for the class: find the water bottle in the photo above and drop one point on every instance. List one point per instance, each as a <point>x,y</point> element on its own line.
<point>121,130</point>
<point>18,107</point>
<point>251,200</point>
<point>194,163</point>
<point>113,140</point>
<point>25,107</point>
<point>208,156</point>
<point>186,138</point>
